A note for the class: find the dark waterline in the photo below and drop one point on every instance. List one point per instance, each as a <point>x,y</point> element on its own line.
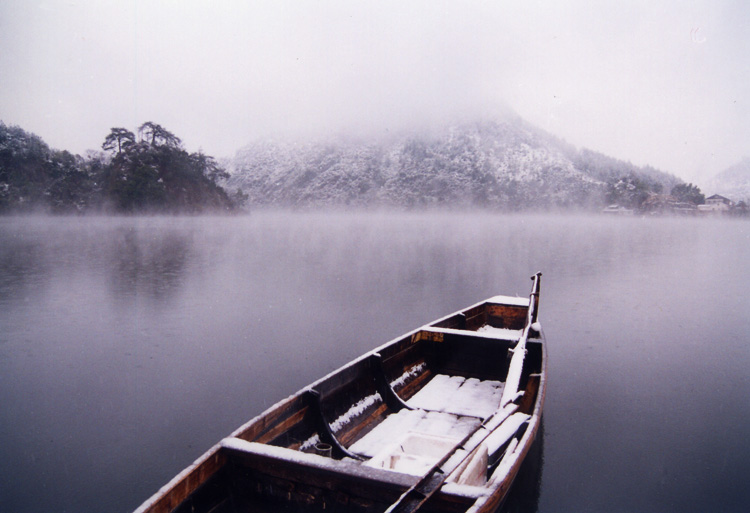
<point>129,346</point>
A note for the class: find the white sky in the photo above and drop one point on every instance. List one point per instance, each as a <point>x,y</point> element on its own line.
<point>659,83</point>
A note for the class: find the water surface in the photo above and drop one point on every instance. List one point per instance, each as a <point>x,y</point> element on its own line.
<point>128,346</point>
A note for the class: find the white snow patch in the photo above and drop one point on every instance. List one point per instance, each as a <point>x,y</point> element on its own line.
<point>505,464</point>
<point>459,396</point>
<point>462,490</point>
<point>356,410</point>
<point>362,405</point>
<point>505,431</point>
<point>473,470</point>
<point>344,419</point>
<point>500,332</point>
<point>240,445</point>
<point>509,300</point>
<point>494,333</point>
<point>414,371</point>
<point>310,442</point>
<point>413,453</point>
<point>415,421</point>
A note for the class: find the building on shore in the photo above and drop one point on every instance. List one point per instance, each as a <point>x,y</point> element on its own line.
<point>716,204</point>
<point>665,204</point>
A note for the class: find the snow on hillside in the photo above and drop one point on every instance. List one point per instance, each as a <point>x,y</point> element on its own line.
<point>733,182</point>
<point>506,165</point>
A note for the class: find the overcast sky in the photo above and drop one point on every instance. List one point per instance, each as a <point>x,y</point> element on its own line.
<point>659,83</point>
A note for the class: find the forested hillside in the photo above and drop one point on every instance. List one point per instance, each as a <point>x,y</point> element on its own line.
<point>147,172</point>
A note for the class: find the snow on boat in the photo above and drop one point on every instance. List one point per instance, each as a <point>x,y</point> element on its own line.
<point>438,420</point>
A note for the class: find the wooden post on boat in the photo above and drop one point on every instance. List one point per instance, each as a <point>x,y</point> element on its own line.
<point>513,380</point>
<point>534,298</point>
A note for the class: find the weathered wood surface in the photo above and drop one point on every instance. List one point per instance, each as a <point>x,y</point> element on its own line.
<point>187,482</point>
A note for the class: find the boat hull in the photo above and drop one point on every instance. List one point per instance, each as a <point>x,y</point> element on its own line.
<point>338,444</point>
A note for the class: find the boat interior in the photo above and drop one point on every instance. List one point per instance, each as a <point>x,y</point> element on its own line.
<point>356,439</point>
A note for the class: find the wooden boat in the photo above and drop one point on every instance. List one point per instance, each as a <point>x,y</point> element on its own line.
<point>438,420</point>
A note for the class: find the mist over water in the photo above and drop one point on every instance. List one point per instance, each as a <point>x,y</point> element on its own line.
<point>128,346</point>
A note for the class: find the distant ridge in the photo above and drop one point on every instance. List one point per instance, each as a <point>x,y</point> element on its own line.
<point>733,182</point>
<point>507,165</point>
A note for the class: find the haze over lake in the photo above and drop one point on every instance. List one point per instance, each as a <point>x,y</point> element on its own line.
<point>130,345</point>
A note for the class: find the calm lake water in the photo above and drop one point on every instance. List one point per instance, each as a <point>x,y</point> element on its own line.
<point>129,346</point>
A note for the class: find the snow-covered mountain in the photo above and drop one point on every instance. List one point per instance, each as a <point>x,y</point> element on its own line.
<point>733,182</point>
<point>507,164</point>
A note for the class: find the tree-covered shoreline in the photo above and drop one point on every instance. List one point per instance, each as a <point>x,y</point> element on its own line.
<point>506,166</point>
<point>144,172</point>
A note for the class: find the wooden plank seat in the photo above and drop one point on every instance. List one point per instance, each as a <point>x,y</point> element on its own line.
<point>432,424</point>
<point>459,395</point>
